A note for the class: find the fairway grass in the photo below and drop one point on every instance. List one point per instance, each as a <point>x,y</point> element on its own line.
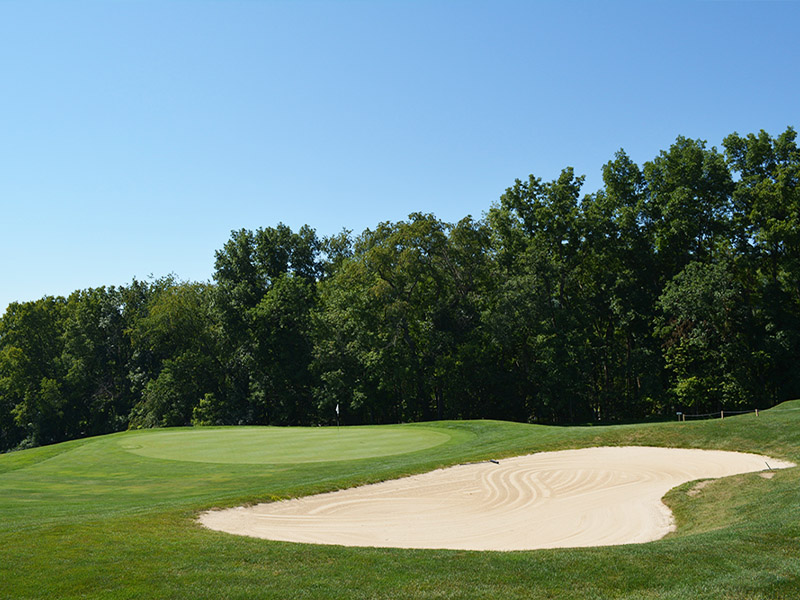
<point>97,518</point>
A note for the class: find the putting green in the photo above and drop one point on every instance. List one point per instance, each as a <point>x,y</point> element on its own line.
<point>271,445</point>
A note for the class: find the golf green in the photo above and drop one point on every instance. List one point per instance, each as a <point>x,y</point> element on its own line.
<point>282,445</point>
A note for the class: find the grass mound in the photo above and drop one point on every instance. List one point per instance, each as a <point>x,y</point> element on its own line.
<point>789,405</point>
<point>100,518</point>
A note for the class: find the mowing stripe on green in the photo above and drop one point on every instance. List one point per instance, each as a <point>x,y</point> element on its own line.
<point>281,445</point>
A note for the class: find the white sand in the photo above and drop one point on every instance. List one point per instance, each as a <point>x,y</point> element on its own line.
<point>571,498</point>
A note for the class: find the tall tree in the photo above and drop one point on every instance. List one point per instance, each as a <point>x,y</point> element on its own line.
<point>767,239</point>
<point>706,327</point>
<point>176,348</point>
<point>688,205</point>
<point>247,269</point>
<point>281,327</point>
<point>96,357</point>
<point>620,284</point>
<point>539,237</point>
<point>32,373</point>
<point>395,321</point>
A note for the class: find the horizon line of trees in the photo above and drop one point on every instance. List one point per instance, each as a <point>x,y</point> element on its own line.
<point>676,287</point>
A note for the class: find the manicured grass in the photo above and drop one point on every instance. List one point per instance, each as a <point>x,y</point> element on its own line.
<point>96,518</point>
<point>280,445</point>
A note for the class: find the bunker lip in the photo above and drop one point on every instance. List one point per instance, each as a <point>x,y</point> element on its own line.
<point>571,498</point>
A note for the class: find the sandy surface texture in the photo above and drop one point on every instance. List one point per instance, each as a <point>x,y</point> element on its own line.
<point>571,498</point>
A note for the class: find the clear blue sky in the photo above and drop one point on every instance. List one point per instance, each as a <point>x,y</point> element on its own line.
<point>135,135</point>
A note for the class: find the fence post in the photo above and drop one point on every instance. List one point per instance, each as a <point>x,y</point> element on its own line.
<point>756,412</point>
<point>722,414</point>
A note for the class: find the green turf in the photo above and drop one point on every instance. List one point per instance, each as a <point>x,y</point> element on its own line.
<point>92,519</point>
<point>279,445</point>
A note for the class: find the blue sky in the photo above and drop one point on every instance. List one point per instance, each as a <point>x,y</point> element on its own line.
<point>135,135</point>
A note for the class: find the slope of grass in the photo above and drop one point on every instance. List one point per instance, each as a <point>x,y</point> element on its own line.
<point>95,519</point>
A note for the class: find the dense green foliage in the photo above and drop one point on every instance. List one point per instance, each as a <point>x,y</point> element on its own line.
<point>99,518</point>
<point>676,287</point>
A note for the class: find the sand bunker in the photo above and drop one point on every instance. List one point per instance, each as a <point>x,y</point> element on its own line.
<point>571,498</point>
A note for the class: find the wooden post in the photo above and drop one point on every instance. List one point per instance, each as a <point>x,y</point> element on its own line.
<point>722,414</point>
<point>756,412</point>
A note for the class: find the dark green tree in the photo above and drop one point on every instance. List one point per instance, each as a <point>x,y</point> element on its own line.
<point>688,205</point>
<point>177,356</point>
<point>31,373</point>
<point>281,327</point>
<point>767,241</point>
<point>538,316</point>
<point>96,358</point>
<point>247,269</point>
<point>618,279</point>
<point>396,328</point>
<point>705,328</point>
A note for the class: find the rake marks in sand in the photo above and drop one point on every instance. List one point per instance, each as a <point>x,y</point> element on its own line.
<point>571,498</point>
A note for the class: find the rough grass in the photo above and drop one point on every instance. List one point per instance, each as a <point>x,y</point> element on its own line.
<point>91,519</point>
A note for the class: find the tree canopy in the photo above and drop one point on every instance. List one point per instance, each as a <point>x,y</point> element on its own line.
<point>675,287</point>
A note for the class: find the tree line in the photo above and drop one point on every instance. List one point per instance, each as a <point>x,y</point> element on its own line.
<point>675,287</point>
